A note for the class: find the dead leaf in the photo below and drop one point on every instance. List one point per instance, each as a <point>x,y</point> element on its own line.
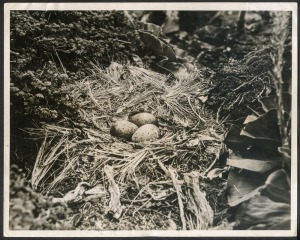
<point>160,194</point>
<point>138,61</point>
<point>215,173</point>
<point>99,225</point>
<point>122,146</point>
<point>180,53</point>
<point>114,207</point>
<point>182,73</point>
<point>202,137</point>
<point>193,143</point>
<point>172,224</point>
<point>97,190</point>
<point>75,195</point>
<point>181,121</point>
<point>203,99</point>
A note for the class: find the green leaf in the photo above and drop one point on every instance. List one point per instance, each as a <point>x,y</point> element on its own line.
<point>180,53</point>
<point>175,60</point>
<point>261,213</point>
<point>179,70</point>
<point>184,71</point>
<point>169,66</point>
<point>278,187</point>
<point>170,24</point>
<point>237,122</point>
<point>285,151</point>
<point>157,45</point>
<point>254,165</point>
<point>286,156</point>
<point>235,141</point>
<point>270,102</point>
<point>215,173</point>
<point>213,35</point>
<point>152,28</point>
<point>265,127</point>
<point>250,118</point>
<point>243,185</point>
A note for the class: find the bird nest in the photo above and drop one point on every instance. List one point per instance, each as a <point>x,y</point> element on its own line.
<point>165,177</point>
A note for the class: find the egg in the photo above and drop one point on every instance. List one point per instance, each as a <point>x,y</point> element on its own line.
<point>146,133</point>
<point>141,119</point>
<point>123,129</point>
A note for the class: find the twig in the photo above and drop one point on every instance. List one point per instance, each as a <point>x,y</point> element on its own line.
<point>134,201</point>
<point>121,41</point>
<point>252,110</point>
<point>218,113</point>
<point>189,100</point>
<point>220,151</point>
<point>60,61</point>
<point>180,203</point>
<point>244,84</point>
<point>162,166</point>
<point>241,21</point>
<point>136,210</point>
<point>92,96</point>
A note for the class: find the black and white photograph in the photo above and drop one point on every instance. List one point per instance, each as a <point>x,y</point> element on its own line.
<point>150,119</point>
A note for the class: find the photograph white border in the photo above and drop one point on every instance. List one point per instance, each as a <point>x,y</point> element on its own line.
<point>275,6</point>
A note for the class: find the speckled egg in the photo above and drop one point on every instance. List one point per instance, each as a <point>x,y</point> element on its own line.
<point>123,129</point>
<point>146,133</point>
<point>141,119</point>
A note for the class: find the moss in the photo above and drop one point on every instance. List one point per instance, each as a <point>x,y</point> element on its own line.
<point>33,211</point>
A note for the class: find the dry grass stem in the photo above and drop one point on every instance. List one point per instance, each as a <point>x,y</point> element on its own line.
<point>197,203</point>
<point>115,194</point>
<point>180,203</point>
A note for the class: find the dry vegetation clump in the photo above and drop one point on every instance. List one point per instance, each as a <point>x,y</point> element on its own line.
<point>158,177</point>
<point>235,88</point>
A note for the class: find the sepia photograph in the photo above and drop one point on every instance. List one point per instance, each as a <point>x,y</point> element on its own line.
<point>150,119</point>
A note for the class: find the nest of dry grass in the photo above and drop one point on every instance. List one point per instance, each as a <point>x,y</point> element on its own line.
<point>164,179</point>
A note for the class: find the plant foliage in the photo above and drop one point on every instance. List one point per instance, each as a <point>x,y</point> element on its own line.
<point>262,189</point>
<point>30,210</point>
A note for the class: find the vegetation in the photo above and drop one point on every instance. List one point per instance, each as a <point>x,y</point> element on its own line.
<point>30,210</point>
<point>223,109</point>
